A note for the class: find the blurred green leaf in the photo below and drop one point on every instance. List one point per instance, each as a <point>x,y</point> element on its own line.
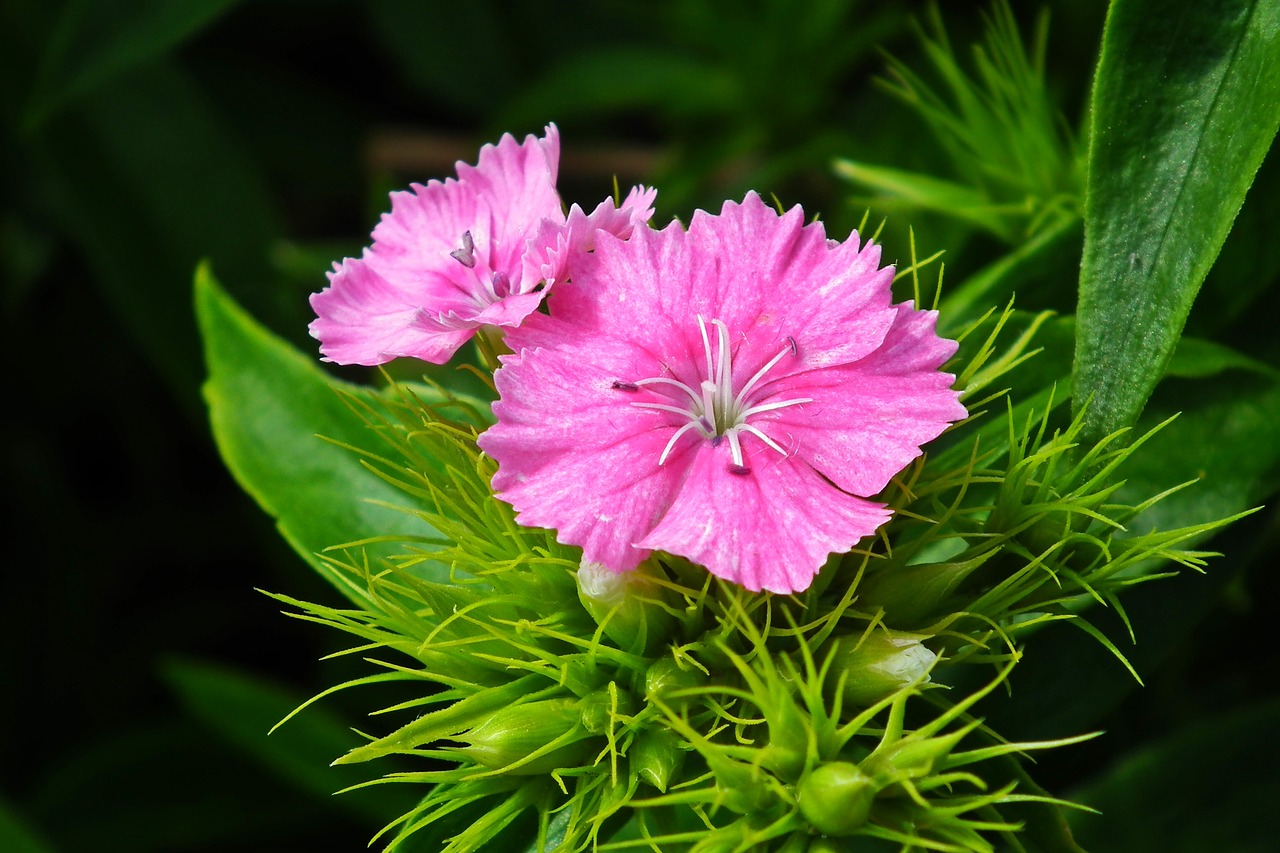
<point>242,709</point>
<point>1211,786</point>
<point>1035,272</point>
<point>268,404</point>
<point>1185,105</point>
<point>1196,358</point>
<point>145,180</point>
<point>16,835</point>
<point>96,40</point>
<point>614,80</point>
<point>902,190</point>
<point>164,785</point>
<point>1227,436</point>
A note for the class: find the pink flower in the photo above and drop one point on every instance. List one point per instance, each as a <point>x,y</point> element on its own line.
<point>456,255</point>
<point>732,394</point>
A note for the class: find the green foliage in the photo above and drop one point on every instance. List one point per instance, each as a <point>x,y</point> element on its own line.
<point>1016,169</point>
<point>705,716</point>
<point>263,396</point>
<point>1198,87</point>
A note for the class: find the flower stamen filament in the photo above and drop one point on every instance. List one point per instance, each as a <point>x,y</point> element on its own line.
<point>713,408</point>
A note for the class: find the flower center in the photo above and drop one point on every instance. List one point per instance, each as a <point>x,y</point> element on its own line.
<point>499,284</point>
<point>713,409</point>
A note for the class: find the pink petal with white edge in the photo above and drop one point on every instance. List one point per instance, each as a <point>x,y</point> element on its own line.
<point>771,529</point>
<point>364,319</point>
<point>409,295</point>
<point>868,419</point>
<point>576,457</point>
<point>556,247</point>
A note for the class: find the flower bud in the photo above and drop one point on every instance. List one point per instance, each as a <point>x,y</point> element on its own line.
<point>912,595</point>
<point>879,663</point>
<point>665,677</point>
<point>836,798</point>
<point>597,709</point>
<point>742,788</point>
<point>656,757</point>
<point>911,757</point>
<point>510,734</point>
<point>627,604</point>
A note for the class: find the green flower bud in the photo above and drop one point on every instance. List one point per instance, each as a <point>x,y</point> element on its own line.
<point>743,788</point>
<point>836,798</point>
<point>911,757</point>
<point>877,664</point>
<point>912,595</point>
<point>628,605</point>
<point>510,734</point>
<point>599,707</point>
<point>785,753</point>
<point>656,757</point>
<point>665,676</point>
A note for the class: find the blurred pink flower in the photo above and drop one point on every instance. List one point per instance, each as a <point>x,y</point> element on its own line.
<point>732,394</point>
<point>456,255</point>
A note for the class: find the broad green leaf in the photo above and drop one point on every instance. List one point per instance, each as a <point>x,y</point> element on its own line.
<point>269,405</point>
<point>95,41</point>
<point>242,709</point>
<point>1185,105</point>
<point>1210,786</point>
<point>16,835</point>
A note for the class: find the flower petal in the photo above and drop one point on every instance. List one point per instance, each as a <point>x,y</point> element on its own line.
<point>443,258</point>
<point>575,456</point>
<point>362,318</point>
<point>868,419</point>
<point>770,529</point>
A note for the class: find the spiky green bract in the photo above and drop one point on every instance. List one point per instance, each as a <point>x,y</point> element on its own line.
<point>710,718</point>
<point>1015,168</point>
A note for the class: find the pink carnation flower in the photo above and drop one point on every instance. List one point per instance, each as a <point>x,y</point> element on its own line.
<point>456,255</point>
<point>732,394</point>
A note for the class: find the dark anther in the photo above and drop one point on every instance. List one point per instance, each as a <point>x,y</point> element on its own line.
<point>467,254</point>
<point>501,285</point>
<point>619,385</point>
<point>791,342</point>
<point>740,470</point>
<point>717,440</point>
<point>706,425</point>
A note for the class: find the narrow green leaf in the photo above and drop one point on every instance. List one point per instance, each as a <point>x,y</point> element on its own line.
<point>269,405</point>
<point>1185,105</point>
<point>906,190</point>
<point>96,41</point>
<point>242,708</point>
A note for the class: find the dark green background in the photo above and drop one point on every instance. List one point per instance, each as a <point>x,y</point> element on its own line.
<point>140,137</point>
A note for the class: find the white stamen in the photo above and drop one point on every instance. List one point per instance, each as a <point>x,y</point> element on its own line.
<point>713,409</point>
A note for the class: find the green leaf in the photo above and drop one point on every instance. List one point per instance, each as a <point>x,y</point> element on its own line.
<point>268,405</point>
<point>1196,358</point>
<point>1210,786</point>
<point>242,709</point>
<point>16,836</point>
<point>96,41</point>
<point>1227,436</point>
<point>136,157</point>
<point>1185,105</point>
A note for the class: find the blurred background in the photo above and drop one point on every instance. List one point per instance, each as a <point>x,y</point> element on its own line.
<point>140,669</point>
